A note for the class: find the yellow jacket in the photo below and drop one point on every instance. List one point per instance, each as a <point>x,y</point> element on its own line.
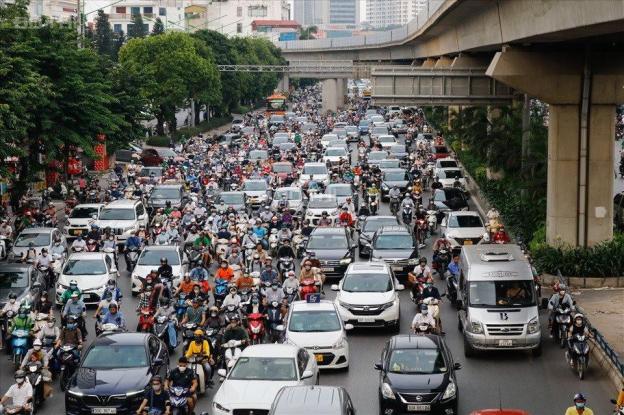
<point>572,411</point>
<point>198,349</point>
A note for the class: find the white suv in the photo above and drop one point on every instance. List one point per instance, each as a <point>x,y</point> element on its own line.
<point>81,217</point>
<point>123,217</point>
<point>367,296</point>
<point>463,228</point>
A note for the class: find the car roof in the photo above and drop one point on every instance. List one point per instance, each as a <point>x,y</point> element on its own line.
<point>314,163</point>
<point>37,230</point>
<point>89,205</point>
<point>305,306</point>
<point>167,186</point>
<point>322,196</point>
<point>330,230</point>
<point>376,218</point>
<point>394,170</point>
<point>271,350</point>
<point>415,341</point>
<point>126,338</point>
<point>464,213</point>
<point>305,399</point>
<point>335,148</point>
<point>14,266</point>
<point>288,188</point>
<point>122,203</point>
<point>446,159</point>
<point>87,255</point>
<point>339,185</point>
<point>161,247</point>
<point>394,229</point>
<point>372,267</point>
<point>232,193</point>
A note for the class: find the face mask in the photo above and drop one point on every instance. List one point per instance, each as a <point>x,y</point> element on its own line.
<point>12,301</point>
<point>181,368</point>
<point>213,314</point>
<point>224,266</point>
<point>71,326</point>
<point>580,405</point>
<point>291,277</point>
<point>274,287</point>
<point>424,313</point>
<point>196,291</point>
<point>562,293</point>
<point>110,286</point>
<point>45,254</point>
<point>19,381</point>
<point>111,239</point>
<point>50,324</point>
<point>37,348</point>
<point>307,267</point>
<point>156,388</point>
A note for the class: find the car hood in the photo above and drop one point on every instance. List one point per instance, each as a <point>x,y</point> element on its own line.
<point>365,298</point>
<point>319,339</point>
<point>465,232</point>
<point>393,253</point>
<point>399,183</point>
<point>79,221</point>
<point>450,182</point>
<point>163,202</point>
<point>115,223</point>
<point>249,394</point>
<point>329,254</point>
<point>255,193</point>
<point>292,204</point>
<point>319,211</point>
<point>110,381</point>
<point>85,282</point>
<point>416,383</point>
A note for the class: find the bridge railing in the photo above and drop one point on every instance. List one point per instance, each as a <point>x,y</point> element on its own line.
<point>396,35</point>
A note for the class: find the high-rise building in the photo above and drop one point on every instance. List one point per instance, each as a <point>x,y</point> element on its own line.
<point>323,12</point>
<point>235,17</point>
<point>344,12</point>
<point>384,13</point>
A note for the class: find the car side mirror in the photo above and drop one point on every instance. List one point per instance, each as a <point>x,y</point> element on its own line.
<point>443,223</point>
<point>349,326</point>
<point>307,374</point>
<point>158,362</point>
<point>222,373</point>
<point>457,366</point>
<point>378,366</point>
<point>142,217</point>
<point>185,261</point>
<point>335,287</point>
<point>399,287</point>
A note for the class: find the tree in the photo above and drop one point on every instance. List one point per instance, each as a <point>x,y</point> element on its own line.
<point>308,33</point>
<point>158,28</point>
<point>137,28</point>
<point>103,36</point>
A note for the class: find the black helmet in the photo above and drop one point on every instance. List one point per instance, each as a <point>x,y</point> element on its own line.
<point>13,296</point>
<point>163,260</point>
<point>20,374</point>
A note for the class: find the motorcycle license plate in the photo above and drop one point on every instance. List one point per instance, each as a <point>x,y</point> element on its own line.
<point>505,343</point>
<point>397,268</point>
<point>420,408</point>
<point>75,232</point>
<point>467,242</point>
<point>103,410</point>
<point>327,269</point>
<point>318,357</point>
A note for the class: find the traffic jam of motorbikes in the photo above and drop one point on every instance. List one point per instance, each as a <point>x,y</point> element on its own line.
<point>223,277</point>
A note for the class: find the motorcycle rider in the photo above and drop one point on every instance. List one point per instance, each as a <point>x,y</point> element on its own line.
<point>214,320</point>
<point>394,193</point>
<point>134,241</point>
<point>76,307</point>
<point>20,394</point>
<point>114,316</point>
<point>224,272</point>
<point>579,407</point>
<point>454,268</point>
<point>94,233</point>
<point>156,400</point>
<point>79,244</point>
<point>234,331</point>
<point>199,346</point>
<point>285,250</point>
<point>578,327</point>
<point>195,314</point>
<point>111,287</point>
<point>268,273</point>
<point>273,293</point>
<point>291,281</point>
<point>182,377</point>
<point>423,317</point>
<point>71,334</point>
<point>73,288</point>
<point>232,297</point>
<point>559,299</point>
<point>407,201</point>
<point>324,221</point>
<point>422,269</point>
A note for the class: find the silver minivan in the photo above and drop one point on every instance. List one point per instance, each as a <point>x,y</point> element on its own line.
<point>498,304</point>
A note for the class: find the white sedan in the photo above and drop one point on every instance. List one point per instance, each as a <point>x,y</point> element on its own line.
<point>91,270</point>
<point>260,372</point>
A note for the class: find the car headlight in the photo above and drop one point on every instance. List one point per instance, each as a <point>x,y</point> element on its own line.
<point>75,393</point>
<point>476,327</point>
<point>345,261</point>
<point>386,391</point>
<point>413,261</point>
<point>387,305</point>
<point>340,343</point>
<point>450,391</point>
<point>220,407</point>
<point>533,326</point>
<point>344,305</point>
<point>133,394</point>
<point>129,229</point>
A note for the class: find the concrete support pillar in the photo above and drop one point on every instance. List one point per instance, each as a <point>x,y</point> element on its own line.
<point>580,135</point>
<point>429,63</point>
<point>284,83</point>
<point>329,96</point>
<point>341,85</point>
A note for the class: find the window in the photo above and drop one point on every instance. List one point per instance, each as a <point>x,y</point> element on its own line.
<point>302,360</point>
<point>120,10</point>
<point>239,28</point>
<point>162,11</point>
<point>148,10</point>
<point>257,11</point>
<point>135,10</point>
<point>239,12</point>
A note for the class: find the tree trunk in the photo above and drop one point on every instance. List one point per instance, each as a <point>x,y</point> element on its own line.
<point>160,121</point>
<point>174,124</point>
<point>198,107</point>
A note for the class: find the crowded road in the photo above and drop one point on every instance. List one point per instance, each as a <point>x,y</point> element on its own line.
<point>542,385</point>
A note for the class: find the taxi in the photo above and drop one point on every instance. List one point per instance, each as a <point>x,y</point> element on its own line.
<point>316,325</point>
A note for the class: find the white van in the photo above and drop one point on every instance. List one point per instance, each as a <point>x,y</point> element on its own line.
<point>497,299</point>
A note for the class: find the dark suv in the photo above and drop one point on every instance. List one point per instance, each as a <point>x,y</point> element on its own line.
<point>417,375</point>
<point>163,193</point>
<point>396,246</point>
<point>333,247</point>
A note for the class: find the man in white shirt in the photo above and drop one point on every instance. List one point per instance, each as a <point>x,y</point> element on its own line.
<point>20,393</point>
<point>423,318</point>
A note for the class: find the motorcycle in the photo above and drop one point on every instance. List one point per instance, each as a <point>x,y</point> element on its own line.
<point>452,286</point>
<point>407,214</point>
<point>255,327</point>
<point>132,257</point>
<point>35,378</point>
<point>249,250</point>
<point>394,205</point>
<point>290,293</point>
<point>421,226</point>
<point>220,291</point>
<point>19,345</point>
<point>307,287</point>
<point>5,243</point>
<point>180,306</point>
<point>161,329</point>
<point>275,322</point>
<point>442,261</point>
<point>179,400</point>
<point>433,305</point>
<point>432,221</point>
<point>197,368</point>
<point>221,248</point>
<point>424,328</point>
<point>194,255</point>
<point>562,322</point>
<point>146,320</point>
<point>580,354</point>
<point>69,363</point>
<point>285,265</point>
<point>231,353</point>
<point>188,332</point>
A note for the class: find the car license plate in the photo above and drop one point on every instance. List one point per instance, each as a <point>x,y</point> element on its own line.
<point>467,242</point>
<point>366,320</point>
<point>318,357</point>
<point>327,269</point>
<point>397,268</point>
<point>103,410</point>
<point>420,408</point>
<point>505,343</point>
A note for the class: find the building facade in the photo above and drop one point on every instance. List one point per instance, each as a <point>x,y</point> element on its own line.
<point>324,12</point>
<point>384,13</point>
<point>235,17</point>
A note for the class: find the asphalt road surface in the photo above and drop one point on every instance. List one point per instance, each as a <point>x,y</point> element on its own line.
<point>541,386</point>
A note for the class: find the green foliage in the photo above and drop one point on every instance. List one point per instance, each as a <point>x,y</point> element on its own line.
<point>103,37</point>
<point>185,133</point>
<point>137,28</point>
<point>158,28</point>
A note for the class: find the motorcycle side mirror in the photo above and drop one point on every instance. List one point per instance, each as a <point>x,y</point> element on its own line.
<point>443,295</point>
<point>349,326</point>
<point>399,287</point>
<point>222,373</point>
<point>307,374</point>
<point>378,366</point>
<point>158,362</point>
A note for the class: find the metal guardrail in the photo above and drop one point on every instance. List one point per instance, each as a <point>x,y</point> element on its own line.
<point>599,339</point>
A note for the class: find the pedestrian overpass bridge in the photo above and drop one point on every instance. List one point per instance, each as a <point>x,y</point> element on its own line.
<point>567,54</point>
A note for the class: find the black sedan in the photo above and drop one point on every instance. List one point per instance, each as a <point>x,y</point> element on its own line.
<point>333,247</point>
<point>417,375</point>
<point>450,198</point>
<point>114,372</point>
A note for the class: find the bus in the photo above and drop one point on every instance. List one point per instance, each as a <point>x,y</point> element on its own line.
<point>276,105</point>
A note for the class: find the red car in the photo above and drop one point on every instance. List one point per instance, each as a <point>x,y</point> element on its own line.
<point>500,412</point>
<point>150,157</point>
<point>440,152</point>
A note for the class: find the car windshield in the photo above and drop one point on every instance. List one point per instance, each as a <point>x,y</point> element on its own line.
<point>464,221</point>
<point>501,293</point>
<point>444,164</point>
<point>290,194</point>
<point>323,202</point>
<point>314,321</point>
<point>165,193</point>
<point>417,361</point>
<point>440,149</point>
<point>315,170</point>
<point>258,155</point>
<point>153,256</point>
<point>389,164</point>
<point>372,225</point>
<point>264,368</point>
<point>277,118</point>
<point>364,123</point>
<point>115,356</point>
<point>83,212</point>
<point>386,139</point>
<point>325,241</point>
<point>394,242</point>
<point>117,214</point>
<point>282,168</point>
<point>339,190</point>
<point>38,239</point>
<point>450,174</point>
<point>232,199</point>
<point>329,137</point>
<point>332,152</point>
<point>146,172</point>
<point>280,140</point>
<point>351,129</point>
<point>397,149</point>
<point>367,283</point>
<point>380,130</point>
<point>255,185</point>
<point>439,196</point>
<point>308,127</point>
<point>85,267</point>
<point>166,152</point>
<point>394,176</point>
<point>13,279</point>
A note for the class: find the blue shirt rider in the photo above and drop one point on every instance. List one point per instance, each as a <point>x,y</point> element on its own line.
<point>114,316</point>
